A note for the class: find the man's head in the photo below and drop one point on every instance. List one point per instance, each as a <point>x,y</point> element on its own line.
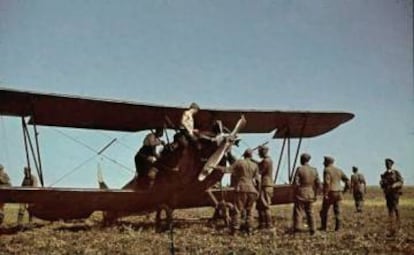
<point>159,131</point>
<point>304,158</point>
<point>263,150</point>
<point>194,107</point>
<point>354,169</point>
<point>327,160</point>
<point>26,171</point>
<point>1,167</point>
<point>388,163</point>
<point>248,153</point>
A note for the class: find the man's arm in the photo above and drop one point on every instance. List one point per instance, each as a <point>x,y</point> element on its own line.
<point>345,179</point>
<point>399,181</point>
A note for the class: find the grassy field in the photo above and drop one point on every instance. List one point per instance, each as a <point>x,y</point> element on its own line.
<point>361,234</point>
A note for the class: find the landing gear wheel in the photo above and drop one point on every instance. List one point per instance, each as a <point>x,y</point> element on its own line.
<point>163,218</point>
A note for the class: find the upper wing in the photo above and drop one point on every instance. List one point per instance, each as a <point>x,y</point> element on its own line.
<point>69,111</point>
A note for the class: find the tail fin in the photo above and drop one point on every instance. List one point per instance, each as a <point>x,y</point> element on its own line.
<point>101,182</point>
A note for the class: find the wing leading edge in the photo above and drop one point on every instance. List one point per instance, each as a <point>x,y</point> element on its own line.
<point>90,113</point>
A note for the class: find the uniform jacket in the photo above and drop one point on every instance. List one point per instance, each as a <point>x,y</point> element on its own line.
<point>307,183</point>
<point>30,181</point>
<point>244,173</point>
<point>4,179</point>
<point>391,181</point>
<point>266,171</point>
<point>332,177</point>
<point>358,183</point>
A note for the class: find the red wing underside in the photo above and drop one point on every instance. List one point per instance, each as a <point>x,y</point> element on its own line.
<point>121,200</point>
<point>69,111</point>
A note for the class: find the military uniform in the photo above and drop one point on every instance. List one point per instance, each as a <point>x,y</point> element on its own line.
<point>332,193</point>
<point>28,181</point>
<point>266,193</point>
<point>244,173</point>
<point>146,156</point>
<point>307,184</point>
<point>358,187</point>
<point>391,183</point>
<point>4,182</point>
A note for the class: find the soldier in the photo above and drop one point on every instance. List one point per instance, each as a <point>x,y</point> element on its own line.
<point>29,180</point>
<point>358,188</point>
<point>245,175</point>
<point>4,182</point>
<point>187,122</point>
<point>307,185</point>
<point>391,183</point>
<point>332,192</point>
<point>147,155</point>
<point>266,191</point>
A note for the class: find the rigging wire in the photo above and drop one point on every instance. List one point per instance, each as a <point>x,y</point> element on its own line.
<point>73,170</point>
<point>100,152</point>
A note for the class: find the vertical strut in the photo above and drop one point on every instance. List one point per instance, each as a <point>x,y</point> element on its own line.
<point>280,160</point>
<point>288,151</point>
<point>25,142</point>
<point>296,158</point>
<point>40,170</point>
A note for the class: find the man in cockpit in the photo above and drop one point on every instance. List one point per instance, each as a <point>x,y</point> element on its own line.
<point>147,156</point>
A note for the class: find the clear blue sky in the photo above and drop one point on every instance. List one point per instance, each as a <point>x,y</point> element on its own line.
<point>354,56</point>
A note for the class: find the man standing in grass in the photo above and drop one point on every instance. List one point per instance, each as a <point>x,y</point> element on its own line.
<point>391,183</point>
<point>29,180</point>
<point>4,182</point>
<point>307,184</point>
<point>358,188</point>
<point>332,192</point>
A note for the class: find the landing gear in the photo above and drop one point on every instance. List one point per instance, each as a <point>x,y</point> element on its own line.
<point>163,218</point>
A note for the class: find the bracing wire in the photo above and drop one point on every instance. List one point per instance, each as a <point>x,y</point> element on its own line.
<point>73,170</point>
<point>96,151</point>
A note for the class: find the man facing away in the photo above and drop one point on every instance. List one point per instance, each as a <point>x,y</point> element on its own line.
<point>147,155</point>
<point>244,175</point>
<point>266,191</point>
<point>392,183</point>
<point>332,192</point>
<point>358,188</point>
<point>4,182</point>
<point>29,180</point>
<point>307,184</point>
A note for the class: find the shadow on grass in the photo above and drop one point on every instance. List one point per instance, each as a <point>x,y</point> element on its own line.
<point>16,229</point>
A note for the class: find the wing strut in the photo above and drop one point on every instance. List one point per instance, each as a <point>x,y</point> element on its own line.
<point>35,153</point>
<point>291,168</point>
<point>297,151</point>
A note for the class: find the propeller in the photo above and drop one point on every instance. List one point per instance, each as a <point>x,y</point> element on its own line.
<point>216,157</point>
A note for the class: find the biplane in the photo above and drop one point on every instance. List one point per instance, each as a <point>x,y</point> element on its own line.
<point>185,178</point>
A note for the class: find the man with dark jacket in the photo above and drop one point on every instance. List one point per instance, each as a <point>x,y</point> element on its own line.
<point>392,183</point>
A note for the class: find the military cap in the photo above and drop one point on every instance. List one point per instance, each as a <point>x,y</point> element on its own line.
<point>328,159</point>
<point>194,106</point>
<point>305,156</point>
<point>248,153</point>
<point>1,167</point>
<point>389,161</point>
<point>354,168</point>
<point>263,148</point>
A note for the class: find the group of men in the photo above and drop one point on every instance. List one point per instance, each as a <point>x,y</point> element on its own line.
<point>253,185</point>
<point>29,180</point>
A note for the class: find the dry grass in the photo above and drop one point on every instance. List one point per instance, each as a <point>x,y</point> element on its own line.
<point>362,234</point>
